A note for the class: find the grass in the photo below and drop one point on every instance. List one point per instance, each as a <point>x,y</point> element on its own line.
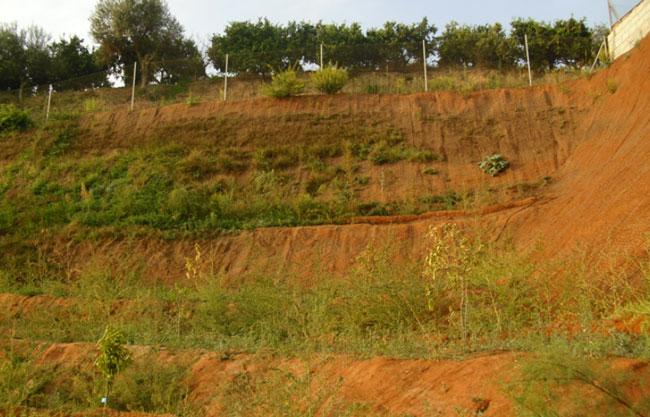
<point>374,310</point>
<point>497,299</point>
<point>146,386</point>
<point>59,189</point>
<point>172,188</point>
<point>462,80</point>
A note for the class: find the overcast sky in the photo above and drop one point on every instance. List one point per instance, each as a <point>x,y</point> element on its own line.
<point>202,18</point>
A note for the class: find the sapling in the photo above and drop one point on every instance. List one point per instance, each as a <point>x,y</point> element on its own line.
<point>113,357</point>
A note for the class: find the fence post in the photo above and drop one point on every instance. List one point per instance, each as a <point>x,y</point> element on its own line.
<point>321,56</point>
<point>135,67</point>
<point>49,100</point>
<point>530,77</point>
<point>225,81</point>
<point>424,60</point>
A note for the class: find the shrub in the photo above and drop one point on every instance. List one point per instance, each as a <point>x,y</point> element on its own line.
<point>284,84</point>
<point>330,80</point>
<point>12,118</point>
<point>113,357</point>
<point>493,164</point>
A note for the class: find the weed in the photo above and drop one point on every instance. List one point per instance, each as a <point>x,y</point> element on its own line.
<point>329,80</point>
<point>449,265</point>
<point>191,100</point>
<point>560,382</point>
<point>21,382</point>
<point>284,83</point>
<point>282,392</point>
<point>93,105</point>
<point>612,86</point>
<point>442,83</point>
<point>371,88</point>
<point>12,118</point>
<point>493,164</point>
<point>149,387</point>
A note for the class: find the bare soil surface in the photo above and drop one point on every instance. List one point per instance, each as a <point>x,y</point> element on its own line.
<point>591,139</point>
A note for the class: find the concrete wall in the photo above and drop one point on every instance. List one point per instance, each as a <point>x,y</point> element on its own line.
<point>633,27</point>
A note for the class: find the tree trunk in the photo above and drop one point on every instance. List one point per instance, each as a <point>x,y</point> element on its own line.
<point>21,90</point>
<point>145,63</point>
<point>144,73</point>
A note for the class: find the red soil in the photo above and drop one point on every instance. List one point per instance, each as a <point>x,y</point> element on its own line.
<point>594,144</point>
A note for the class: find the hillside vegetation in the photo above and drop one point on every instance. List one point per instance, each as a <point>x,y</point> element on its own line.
<point>340,255</point>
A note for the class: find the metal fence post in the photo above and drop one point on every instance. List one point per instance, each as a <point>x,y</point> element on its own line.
<point>49,100</point>
<point>424,60</point>
<point>225,81</point>
<point>135,67</point>
<point>530,77</point>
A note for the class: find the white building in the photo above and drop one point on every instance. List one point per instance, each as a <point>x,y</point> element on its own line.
<point>628,31</point>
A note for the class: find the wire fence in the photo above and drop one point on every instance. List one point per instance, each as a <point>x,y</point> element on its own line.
<point>373,69</point>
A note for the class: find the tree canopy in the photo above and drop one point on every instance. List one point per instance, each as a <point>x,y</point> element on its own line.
<point>262,46</point>
<point>144,31</point>
<point>259,47</point>
<point>27,58</point>
<point>139,30</point>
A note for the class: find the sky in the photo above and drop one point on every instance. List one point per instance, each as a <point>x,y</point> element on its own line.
<point>202,18</point>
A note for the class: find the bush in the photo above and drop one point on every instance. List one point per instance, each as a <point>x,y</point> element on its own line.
<point>493,164</point>
<point>12,118</point>
<point>284,84</point>
<point>330,80</point>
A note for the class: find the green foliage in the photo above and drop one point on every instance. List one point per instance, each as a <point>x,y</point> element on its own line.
<point>150,387</point>
<point>143,31</point>
<point>484,46</point>
<point>442,83</point>
<point>286,393</point>
<point>329,80</point>
<point>254,46</point>
<point>493,164</point>
<point>75,67</point>
<point>371,88</point>
<point>563,42</point>
<point>450,262</point>
<point>21,382</point>
<point>612,86</point>
<point>11,118</point>
<point>28,60</point>
<point>25,57</point>
<point>284,84</point>
<point>113,357</point>
<point>559,381</point>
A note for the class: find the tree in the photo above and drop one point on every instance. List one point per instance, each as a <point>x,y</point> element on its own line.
<point>483,45</point>
<point>24,57</point>
<point>180,59</point>
<point>12,57</point>
<point>113,357</point>
<point>129,30</point>
<point>573,40</point>
<point>399,45</point>
<point>252,47</point>
<point>74,63</point>
<point>565,42</point>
